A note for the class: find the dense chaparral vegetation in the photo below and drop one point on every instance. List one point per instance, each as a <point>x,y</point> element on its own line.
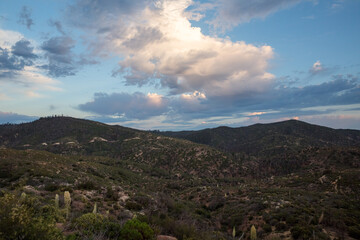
<point>67,178</point>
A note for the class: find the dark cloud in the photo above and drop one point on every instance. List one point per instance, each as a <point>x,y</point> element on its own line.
<point>101,14</point>
<point>60,56</point>
<point>59,46</point>
<point>9,117</point>
<point>233,12</point>
<point>20,56</point>
<point>144,36</point>
<point>58,26</point>
<point>128,106</point>
<point>62,61</point>
<point>11,62</point>
<point>23,49</point>
<point>52,107</point>
<point>7,74</point>
<point>342,90</point>
<point>25,17</point>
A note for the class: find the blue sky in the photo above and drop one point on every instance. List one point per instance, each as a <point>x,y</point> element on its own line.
<point>181,64</point>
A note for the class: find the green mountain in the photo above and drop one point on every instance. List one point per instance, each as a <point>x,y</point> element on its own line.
<point>291,180</point>
<point>265,139</point>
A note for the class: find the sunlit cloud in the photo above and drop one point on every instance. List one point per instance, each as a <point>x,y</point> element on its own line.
<point>256,113</point>
<point>159,45</point>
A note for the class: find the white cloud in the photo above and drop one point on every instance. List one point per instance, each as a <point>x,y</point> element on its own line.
<point>9,38</point>
<point>160,42</point>
<point>317,67</point>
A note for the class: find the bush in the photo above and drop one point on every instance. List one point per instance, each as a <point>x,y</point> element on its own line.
<point>91,225</point>
<point>354,231</point>
<point>136,230</point>
<point>302,232</point>
<point>51,187</point>
<point>24,219</point>
<point>133,206</point>
<point>281,227</point>
<point>87,185</point>
<point>267,228</point>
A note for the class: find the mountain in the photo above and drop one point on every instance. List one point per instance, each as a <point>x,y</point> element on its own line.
<point>66,135</point>
<point>291,180</point>
<point>259,139</point>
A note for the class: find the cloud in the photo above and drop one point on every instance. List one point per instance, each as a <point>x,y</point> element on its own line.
<point>233,12</point>
<point>19,71</point>
<point>158,45</point>
<point>25,17</point>
<point>335,121</point>
<point>9,117</point>
<point>126,106</point>
<point>23,49</point>
<point>318,68</point>
<point>9,38</point>
<point>58,51</point>
<point>9,62</point>
<point>15,58</point>
<point>57,25</point>
<point>337,4</point>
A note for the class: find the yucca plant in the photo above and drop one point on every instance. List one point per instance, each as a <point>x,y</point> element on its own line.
<point>67,201</point>
<point>253,233</point>
<point>95,208</point>
<point>57,201</point>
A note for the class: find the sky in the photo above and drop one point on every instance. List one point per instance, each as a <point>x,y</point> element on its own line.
<point>181,64</point>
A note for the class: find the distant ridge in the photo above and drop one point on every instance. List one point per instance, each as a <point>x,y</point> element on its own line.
<point>255,138</point>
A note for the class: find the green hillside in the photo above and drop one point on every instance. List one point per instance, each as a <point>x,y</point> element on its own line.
<point>150,184</point>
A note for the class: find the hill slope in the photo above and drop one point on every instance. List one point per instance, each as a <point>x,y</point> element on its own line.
<point>292,180</point>
<point>260,138</point>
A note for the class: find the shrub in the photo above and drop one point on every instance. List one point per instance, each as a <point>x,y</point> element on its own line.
<point>354,231</point>
<point>301,232</point>
<point>133,206</point>
<point>91,225</point>
<point>281,227</point>
<point>87,185</point>
<point>136,230</point>
<point>267,228</point>
<point>23,219</point>
<point>51,187</point>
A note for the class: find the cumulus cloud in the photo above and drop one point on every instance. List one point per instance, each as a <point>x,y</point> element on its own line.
<point>16,58</point>
<point>62,60</point>
<point>23,49</point>
<point>158,42</point>
<point>19,71</point>
<point>60,56</point>
<point>25,17</point>
<point>127,106</point>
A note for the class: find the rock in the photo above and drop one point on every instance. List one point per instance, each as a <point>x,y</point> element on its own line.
<point>323,179</point>
<point>163,237</point>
